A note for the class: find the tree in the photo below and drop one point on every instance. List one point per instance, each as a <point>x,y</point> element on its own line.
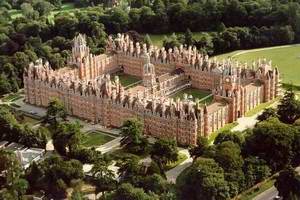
<point>198,150</point>
<point>256,170</point>
<point>55,111</point>
<point>133,140</point>
<point>288,184</point>
<point>228,155</point>
<point>103,177</point>
<point>289,108</point>
<point>155,183</point>
<point>272,141</point>
<point>236,137</point>
<point>147,40</point>
<point>128,192</point>
<point>10,167</point>
<point>67,138</point>
<point>171,42</point>
<point>56,175</point>
<point>43,7</point>
<point>164,151</point>
<point>188,37</point>
<point>204,181</point>
<point>266,114</point>
<point>5,86</point>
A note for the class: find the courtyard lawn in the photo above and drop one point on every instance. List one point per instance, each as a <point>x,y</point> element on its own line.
<point>287,58</point>
<point>196,93</point>
<point>127,80</point>
<point>96,138</point>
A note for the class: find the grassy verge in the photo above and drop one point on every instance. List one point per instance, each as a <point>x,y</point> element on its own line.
<point>254,191</point>
<point>224,128</point>
<point>181,157</point>
<point>96,138</point>
<point>260,107</point>
<point>11,97</point>
<point>122,154</point>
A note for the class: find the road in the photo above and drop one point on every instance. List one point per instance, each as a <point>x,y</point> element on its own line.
<point>270,193</point>
<point>173,173</point>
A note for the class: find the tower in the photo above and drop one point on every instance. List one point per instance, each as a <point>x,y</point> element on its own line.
<point>80,52</point>
<point>80,49</point>
<point>148,72</point>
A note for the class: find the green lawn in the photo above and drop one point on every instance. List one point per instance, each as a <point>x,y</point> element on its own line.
<point>286,58</point>
<point>126,79</point>
<point>196,93</point>
<point>96,138</point>
<point>181,157</point>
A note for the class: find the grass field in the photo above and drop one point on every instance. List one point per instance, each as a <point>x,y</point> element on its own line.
<point>96,138</point>
<point>287,58</point>
<point>196,93</point>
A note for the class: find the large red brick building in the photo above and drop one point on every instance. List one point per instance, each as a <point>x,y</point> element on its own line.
<point>88,90</point>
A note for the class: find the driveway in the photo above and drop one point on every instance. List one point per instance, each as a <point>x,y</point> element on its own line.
<point>173,173</point>
<point>271,193</point>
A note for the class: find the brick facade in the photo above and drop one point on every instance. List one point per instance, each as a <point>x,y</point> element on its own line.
<point>88,91</point>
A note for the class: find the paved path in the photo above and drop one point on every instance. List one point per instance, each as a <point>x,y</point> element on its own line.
<point>249,122</point>
<point>270,193</point>
<point>173,173</point>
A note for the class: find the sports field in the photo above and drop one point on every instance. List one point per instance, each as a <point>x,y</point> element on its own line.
<point>286,58</point>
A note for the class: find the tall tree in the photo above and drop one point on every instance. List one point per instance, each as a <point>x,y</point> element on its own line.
<point>289,108</point>
<point>103,177</point>
<point>198,150</point>
<point>288,184</point>
<point>188,37</point>
<point>164,151</point>
<point>204,181</point>
<point>55,111</point>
